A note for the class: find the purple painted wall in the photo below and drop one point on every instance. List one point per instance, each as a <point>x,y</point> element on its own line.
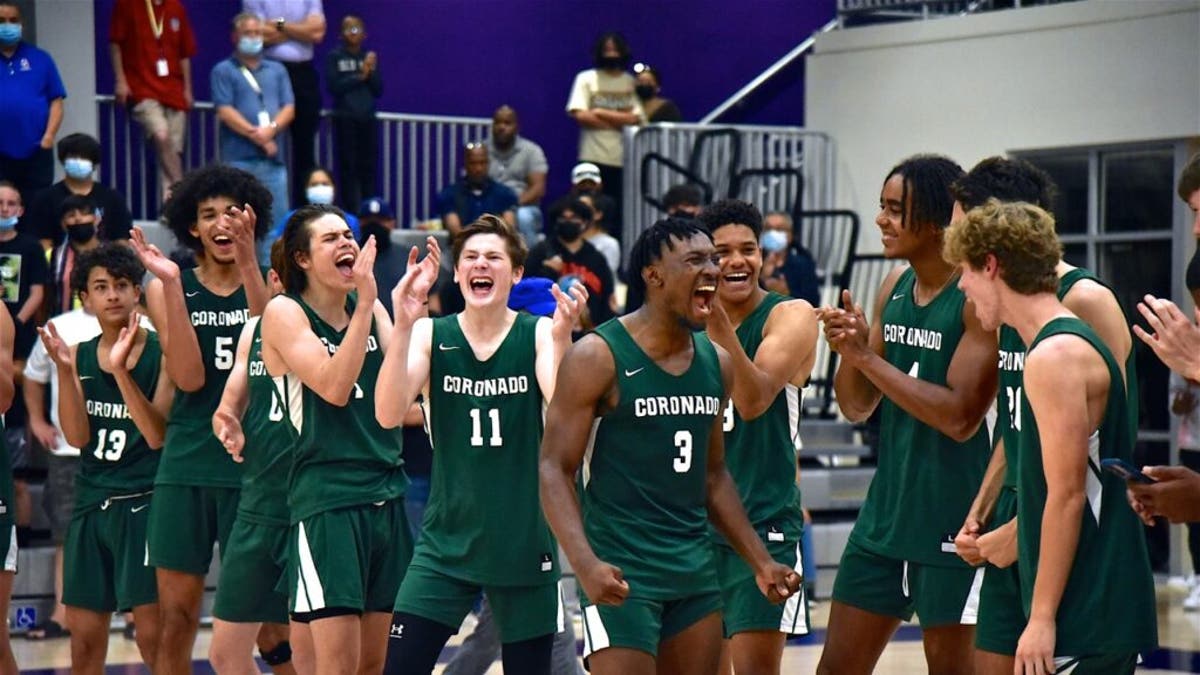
<point>466,57</point>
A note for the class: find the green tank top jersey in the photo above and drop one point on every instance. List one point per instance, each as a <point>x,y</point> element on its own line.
<point>1108,603</point>
<point>643,483</point>
<point>484,521</point>
<point>925,481</point>
<point>116,460</point>
<point>268,452</point>
<point>761,454</point>
<point>341,456</point>
<point>191,454</point>
<point>1012,368</point>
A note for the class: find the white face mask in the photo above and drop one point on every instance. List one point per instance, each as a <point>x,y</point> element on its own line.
<point>319,194</point>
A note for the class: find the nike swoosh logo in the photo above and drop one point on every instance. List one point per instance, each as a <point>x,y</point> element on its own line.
<point>138,508</point>
<point>85,377</point>
<point>442,346</point>
<point>192,294</point>
<point>631,373</point>
<point>897,296</point>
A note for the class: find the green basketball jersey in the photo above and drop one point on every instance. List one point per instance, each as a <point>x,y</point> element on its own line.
<point>341,456</point>
<point>761,453</point>
<point>1012,369</point>
<point>116,460</point>
<point>1108,603</point>
<point>925,481</point>
<point>268,451</point>
<point>643,485</point>
<point>191,454</point>
<point>484,521</point>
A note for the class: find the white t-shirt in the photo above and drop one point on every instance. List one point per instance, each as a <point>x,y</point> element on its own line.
<point>1189,423</point>
<point>610,248</point>
<point>597,90</point>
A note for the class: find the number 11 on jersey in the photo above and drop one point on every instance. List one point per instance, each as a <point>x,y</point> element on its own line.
<point>477,428</point>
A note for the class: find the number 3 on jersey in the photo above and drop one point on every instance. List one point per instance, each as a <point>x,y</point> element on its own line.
<point>683,441</point>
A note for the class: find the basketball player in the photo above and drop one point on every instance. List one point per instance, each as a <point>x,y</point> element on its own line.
<point>323,341</point>
<point>1076,534</point>
<point>113,400</point>
<point>485,373</point>
<point>926,361</point>
<point>217,212</point>
<point>771,340</point>
<point>639,404</point>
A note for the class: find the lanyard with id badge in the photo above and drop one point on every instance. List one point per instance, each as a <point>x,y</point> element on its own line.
<point>156,26</point>
<point>264,118</point>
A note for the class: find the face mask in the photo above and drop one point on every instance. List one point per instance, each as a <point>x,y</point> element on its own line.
<point>319,194</point>
<point>250,46</point>
<point>610,63</point>
<point>568,230</point>
<point>7,224</point>
<point>10,33</point>
<point>78,168</point>
<point>383,236</point>
<point>774,241</point>
<point>644,92</point>
<point>81,233</point>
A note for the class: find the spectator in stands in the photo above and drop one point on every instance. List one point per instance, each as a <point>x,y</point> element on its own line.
<point>32,109</point>
<point>318,189</point>
<point>376,218</point>
<point>254,102</point>
<point>658,109</point>
<point>152,45</point>
<point>598,237</point>
<point>683,201</point>
<point>475,194</point>
<point>290,29</point>
<point>586,180</point>
<point>565,256</point>
<point>788,268</point>
<point>603,102</point>
<point>353,80</point>
<point>78,218</point>
<point>80,156</point>
<point>520,164</point>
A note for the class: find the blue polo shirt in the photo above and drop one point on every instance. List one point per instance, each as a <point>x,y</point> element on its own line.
<point>495,198</point>
<point>231,88</point>
<point>29,81</point>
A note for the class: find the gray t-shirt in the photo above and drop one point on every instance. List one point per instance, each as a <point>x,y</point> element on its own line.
<point>512,167</point>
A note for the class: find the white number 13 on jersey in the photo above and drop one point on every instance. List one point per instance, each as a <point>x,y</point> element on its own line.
<point>683,441</point>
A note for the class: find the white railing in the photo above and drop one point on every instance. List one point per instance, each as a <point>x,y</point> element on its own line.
<point>419,155</point>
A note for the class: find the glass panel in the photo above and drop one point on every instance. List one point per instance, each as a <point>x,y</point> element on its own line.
<point>1139,190</point>
<point>1070,173</point>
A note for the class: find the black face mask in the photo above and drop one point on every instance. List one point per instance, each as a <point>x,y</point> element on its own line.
<point>81,234</point>
<point>383,235</point>
<point>644,92</point>
<point>1192,276</point>
<point>610,63</point>
<point>568,230</point>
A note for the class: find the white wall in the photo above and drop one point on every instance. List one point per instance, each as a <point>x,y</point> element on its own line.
<point>1080,73</point>
<point>66,29</point>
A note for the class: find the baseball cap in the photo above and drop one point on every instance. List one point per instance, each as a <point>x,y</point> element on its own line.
<point>585,171</point>
<point>533,295</point>
<point>375,207</point>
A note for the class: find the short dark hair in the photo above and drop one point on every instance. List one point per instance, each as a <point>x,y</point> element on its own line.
<point>296,239</point>
<point>926,196</point>
<point>732,212</point>
<point>79,145</point>
<point>120,261</point>
<point>215,180</point>
<point>1006,179</point>
<point>74,203</point>
<point>618,41</point>
<point>648,248</point>
<point>4,183</point>
<point>490,224</point>
<point>1189,178</point>
<point>684,194</point>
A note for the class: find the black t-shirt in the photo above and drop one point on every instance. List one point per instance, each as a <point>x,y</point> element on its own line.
<point>42,219</point>
<point>22,265</point>
<point>587,263</point>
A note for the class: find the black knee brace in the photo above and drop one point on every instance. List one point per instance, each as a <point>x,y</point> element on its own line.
<point>281,654</point>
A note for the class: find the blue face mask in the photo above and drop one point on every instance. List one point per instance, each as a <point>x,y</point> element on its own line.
<point>773,241</point>
<point>10,33</point>
<point>78,168</point>
<point>250,46</point>
<point>7,224</point>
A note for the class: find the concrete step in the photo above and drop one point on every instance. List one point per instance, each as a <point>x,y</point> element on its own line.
<point>835,489</point>
<point>822,437</point>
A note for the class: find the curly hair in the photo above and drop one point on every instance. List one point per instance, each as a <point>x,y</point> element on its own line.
<point>1007,179</point>
<point>490,224</point>
<point>926,196</point>
<point>648,249</point>
<point>120,261</point>
<point>215,180</point>
<point>296,239</point>
<point>731,212</point>
<point>1020,235</point>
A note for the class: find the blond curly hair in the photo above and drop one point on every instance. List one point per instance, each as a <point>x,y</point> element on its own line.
<point>1020,235</point>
